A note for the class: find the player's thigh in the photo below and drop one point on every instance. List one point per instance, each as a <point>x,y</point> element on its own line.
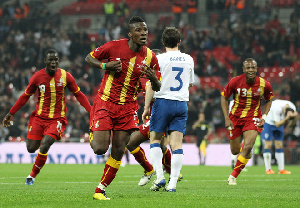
<point>100,140</point>
<point>32,145</point>
<point>249,139</point>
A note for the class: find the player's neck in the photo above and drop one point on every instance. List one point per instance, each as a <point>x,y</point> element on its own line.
<point>172,49</point>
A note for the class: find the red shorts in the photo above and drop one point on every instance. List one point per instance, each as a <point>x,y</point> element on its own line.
<point>106,116</point>
<point>39,127</point>
<point>145,129</point>
<point>242,124</point>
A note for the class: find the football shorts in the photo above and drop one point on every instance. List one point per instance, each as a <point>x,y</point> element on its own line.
<point>168,114</point>
<point>39,127</point>
<point>106,116</point>
<point>271,132</point>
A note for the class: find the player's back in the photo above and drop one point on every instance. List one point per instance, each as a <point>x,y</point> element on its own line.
<point>177,71</point>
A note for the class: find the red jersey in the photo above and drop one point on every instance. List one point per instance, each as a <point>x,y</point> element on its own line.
<point>247,97</point>
<point>51,92</point>
<point>122,87</point>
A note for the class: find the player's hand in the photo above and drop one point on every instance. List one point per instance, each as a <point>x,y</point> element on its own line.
<point>261,123</point>
<point>8,120</point>
<point>145,115</point>
<point>149,73</point>
<point>114,66</point>
<point>228,124</point>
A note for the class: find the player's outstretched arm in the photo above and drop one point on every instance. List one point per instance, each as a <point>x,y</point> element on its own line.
<point>82,99</point>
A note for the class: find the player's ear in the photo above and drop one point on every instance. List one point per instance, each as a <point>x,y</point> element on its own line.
<point>129,35</point>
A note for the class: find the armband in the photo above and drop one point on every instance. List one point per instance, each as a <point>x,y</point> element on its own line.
<point>103,66</point>
<point>264,117</point>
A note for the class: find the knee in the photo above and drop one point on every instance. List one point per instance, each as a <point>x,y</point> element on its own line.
<point>31,149</point>
<point>235,151</point>
<point>99,149</point>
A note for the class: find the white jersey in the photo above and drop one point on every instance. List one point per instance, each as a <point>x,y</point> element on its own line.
<point>276,112</point>
<point>177,72</point>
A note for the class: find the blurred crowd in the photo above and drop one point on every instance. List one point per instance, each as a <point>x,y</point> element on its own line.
<point>27,31</point>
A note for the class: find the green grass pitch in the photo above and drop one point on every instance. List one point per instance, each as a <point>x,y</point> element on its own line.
<point>202,186</point>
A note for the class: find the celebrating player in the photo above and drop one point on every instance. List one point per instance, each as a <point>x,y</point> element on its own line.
<point>170,108</point>
<point>245,115</point>
<point>115,106</point>
<point>48,121</point>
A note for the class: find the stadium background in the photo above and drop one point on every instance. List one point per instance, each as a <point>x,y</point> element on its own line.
<point>223,34</point>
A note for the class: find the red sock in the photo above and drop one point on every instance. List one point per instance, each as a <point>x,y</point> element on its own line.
<point>240,164</point>
<point>110,170</point>
<point>40,161</point>
<point>166,161</point>
<point>140,157</point>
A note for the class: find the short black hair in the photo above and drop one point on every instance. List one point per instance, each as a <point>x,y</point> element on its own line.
<point>287,110</point>
<point>171,37</point>
<point>50,51</point>
<point>156,51</point>
<point>134,20</point>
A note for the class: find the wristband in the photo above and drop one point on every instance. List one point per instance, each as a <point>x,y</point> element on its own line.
<point>264,117</point>
<point>103,66</point>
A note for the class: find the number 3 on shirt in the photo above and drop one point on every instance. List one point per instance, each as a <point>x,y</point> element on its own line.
<point>179,70</point>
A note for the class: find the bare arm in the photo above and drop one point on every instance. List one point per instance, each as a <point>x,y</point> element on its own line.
<point>148,97</point>
<point>224,105</point>
<point>112,65</point>
<point>267,109</point>
<point>288,119</point>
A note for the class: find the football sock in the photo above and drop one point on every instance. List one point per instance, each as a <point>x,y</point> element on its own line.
<point>279,155</point>
<point>240,164</point>
<point>39,162</point>
<point>267,158</point>
<point>110,170</point>
<point>176,165</point>
<point>156,156</point>
<point>166,161</point>
<point>140,157</point>
<point>233,160</point>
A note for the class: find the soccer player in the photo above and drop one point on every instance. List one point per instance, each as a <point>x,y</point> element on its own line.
<point>137,151</point>
<point>170,109</point>
<point>203,131</point>
<point>245,117</point>
<point>115,107</point>
<point>282,112</point>
<point>48,121</point>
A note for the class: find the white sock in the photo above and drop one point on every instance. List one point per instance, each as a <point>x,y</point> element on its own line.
<point>156,156</point>
<point>280,160</point>
<point>233,159</point>
<point>101,186</point>
<point>267,160</point>
<point>176,165</point>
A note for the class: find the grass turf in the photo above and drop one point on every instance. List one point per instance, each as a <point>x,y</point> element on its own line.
<point>202,186</point>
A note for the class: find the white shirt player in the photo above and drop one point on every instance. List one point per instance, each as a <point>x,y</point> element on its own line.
<point>177,72</point>
<point>276,111</point>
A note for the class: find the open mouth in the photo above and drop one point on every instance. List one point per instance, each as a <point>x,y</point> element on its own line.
<point>143,39</point>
